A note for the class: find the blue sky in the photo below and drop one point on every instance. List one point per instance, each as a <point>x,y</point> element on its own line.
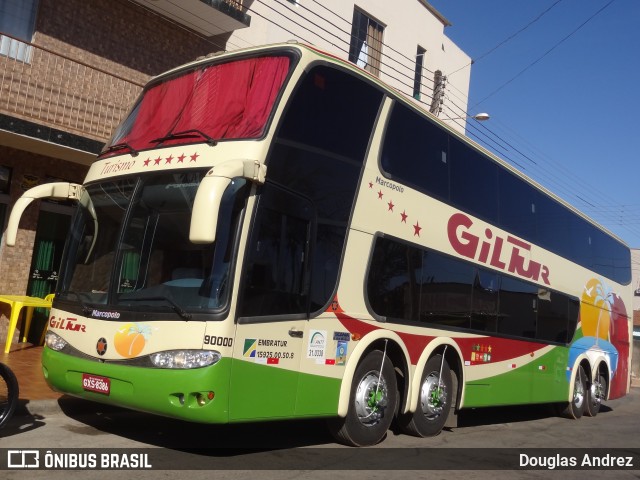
<point>563,96</point>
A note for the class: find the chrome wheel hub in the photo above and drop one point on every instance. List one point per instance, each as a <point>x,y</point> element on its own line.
<point>371,398</point>
<point>433,396</point>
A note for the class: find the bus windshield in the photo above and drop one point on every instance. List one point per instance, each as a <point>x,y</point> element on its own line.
<point>129,246</point>
<point>224,101</point>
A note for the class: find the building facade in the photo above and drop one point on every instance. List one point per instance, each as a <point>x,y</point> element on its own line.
<point>70,71</point>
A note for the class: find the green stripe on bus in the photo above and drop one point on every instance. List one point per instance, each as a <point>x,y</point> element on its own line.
<point>542,380</point>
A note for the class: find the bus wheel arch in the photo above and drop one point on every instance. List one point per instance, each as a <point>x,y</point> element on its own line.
<point>373,396</point>
<point>376,340</point>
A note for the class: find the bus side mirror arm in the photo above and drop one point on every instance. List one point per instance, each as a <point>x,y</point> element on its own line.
<point>204,217</point>
<point>56,190</point>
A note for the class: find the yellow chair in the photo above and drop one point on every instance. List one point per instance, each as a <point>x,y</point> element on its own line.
<point>16,304</point>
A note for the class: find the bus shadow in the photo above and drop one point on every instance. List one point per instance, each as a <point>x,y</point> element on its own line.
<point>512,414</point>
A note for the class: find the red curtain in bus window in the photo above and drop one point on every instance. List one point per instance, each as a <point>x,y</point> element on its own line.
<point>234,100</point>
<point>159,111</point>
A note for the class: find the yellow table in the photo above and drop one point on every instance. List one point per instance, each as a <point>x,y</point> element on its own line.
<point>17,303</point>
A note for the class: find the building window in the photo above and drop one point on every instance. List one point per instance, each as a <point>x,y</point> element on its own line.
<point>366,43</point>
<point>17,22</point>
<point>417,79</point>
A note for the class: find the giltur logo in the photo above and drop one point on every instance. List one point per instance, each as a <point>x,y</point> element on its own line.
<point>493,251</point>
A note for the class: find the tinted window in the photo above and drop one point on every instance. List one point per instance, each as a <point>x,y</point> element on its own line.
<point>518,303</point>
<point>415,151</point>
<point>553,310</point>
<point>393,285</point>
<point>517,206</point>
<point>333,111</point>
<point>404,279</point>
<point>484,309</point>
<point>318,152</point>
<point>474,181</point>
<point>446,290</point>
<point>581,237</point>
<point>553,221</point>
<point>276,274</point>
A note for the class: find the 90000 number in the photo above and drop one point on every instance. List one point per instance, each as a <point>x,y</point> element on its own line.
<point>218,341</point>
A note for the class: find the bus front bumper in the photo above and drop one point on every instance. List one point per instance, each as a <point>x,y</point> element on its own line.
<point>197,395</point>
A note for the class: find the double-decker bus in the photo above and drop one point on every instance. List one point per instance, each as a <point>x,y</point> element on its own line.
<point>274,233</point>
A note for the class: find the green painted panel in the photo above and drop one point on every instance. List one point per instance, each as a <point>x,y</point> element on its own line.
<point>317,396</point>
<point>540,381</point>
<point>260,392</point>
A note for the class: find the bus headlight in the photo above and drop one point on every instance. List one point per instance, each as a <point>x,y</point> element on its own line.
<point>54,341</point>
<point>185,358</point>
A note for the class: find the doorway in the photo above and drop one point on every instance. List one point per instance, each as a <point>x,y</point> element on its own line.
<point>54,222</point>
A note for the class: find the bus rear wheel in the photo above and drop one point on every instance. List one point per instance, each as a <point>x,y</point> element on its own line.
<point>372,403</point>
<point>434,402</point>
<point>595,395</point>
<point>578,402</point>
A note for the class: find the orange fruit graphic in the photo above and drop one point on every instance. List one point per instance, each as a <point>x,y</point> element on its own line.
<point>130,339</point>
<point>595,309</point>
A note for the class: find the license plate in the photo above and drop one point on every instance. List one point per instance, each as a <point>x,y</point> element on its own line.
<point>95,383</point>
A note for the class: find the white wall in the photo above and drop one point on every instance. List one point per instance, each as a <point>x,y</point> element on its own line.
<point>326,24</point>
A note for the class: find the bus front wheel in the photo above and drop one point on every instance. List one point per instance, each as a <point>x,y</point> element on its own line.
<point>434,402</point>
<point>372,403</point>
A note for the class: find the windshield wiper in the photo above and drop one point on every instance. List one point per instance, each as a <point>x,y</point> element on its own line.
<point>86,310</point>
<point>194,133</point>
<point>120,146</point>
<point>176,308</point>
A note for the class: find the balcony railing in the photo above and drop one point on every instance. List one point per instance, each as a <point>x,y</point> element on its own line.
<point>54,90</point>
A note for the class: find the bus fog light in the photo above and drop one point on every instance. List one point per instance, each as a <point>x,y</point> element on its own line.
<point>185,359</point>
<point>54,341</point>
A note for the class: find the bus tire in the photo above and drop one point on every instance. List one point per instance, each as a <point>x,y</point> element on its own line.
<point>434,402</point>
<point>595,395</point>
<point>578,403</point>
<point>372,403</point>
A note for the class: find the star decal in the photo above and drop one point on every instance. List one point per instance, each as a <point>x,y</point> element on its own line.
<point>193,157</point>
<point>156,161</point>
<point>181,158</point>
<point>146,162</point>
<point>403,215</point>
<point>168,159</point>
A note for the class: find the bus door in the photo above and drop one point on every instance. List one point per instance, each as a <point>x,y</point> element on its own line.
<point>273,306</point>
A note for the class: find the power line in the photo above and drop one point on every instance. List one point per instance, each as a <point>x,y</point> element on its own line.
<point>544,54</point>
<point>506,40</point>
